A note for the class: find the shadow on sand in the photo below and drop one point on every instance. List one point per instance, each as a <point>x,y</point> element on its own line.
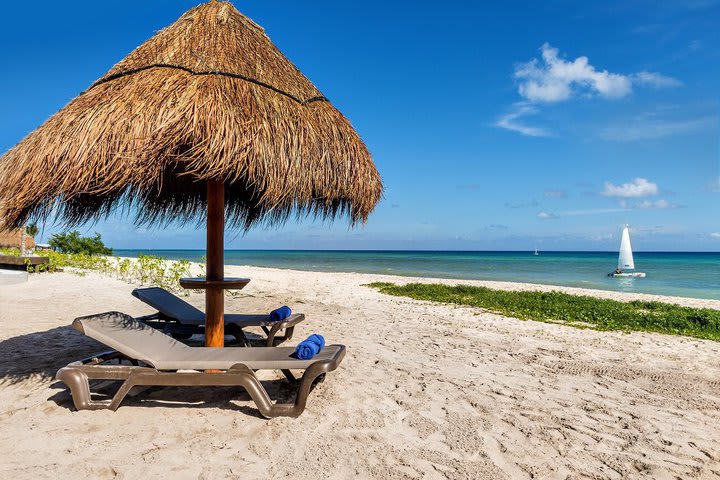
<point>38,356</point>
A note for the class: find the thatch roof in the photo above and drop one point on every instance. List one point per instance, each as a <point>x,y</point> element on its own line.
<point>209,97</point>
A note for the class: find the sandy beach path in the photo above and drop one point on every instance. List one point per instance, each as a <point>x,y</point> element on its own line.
<point>426,391</point>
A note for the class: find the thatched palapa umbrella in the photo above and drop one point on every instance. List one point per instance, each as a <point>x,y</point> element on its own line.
<point>206,120</point>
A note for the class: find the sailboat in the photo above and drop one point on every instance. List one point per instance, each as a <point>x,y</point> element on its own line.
<point>536,253</point>
<point>625,258</point>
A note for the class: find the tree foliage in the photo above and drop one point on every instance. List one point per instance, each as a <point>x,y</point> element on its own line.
<point>32,229</point>
<point>72,242</point>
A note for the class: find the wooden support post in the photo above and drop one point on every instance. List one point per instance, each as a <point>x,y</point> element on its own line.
<point>215,297</point>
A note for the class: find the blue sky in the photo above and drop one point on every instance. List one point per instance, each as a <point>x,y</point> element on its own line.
<point>508,126</point>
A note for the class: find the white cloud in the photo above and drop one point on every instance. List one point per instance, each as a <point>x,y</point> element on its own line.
<point>555,194</point>
<point>646,127</point>
<point>531,203</point>
<point>576,213</point>
<point>591,211</point>
<point>654,79</point>
<point>623,206</point>
<point>554,79</point>
<point>648,205</point>
<point>715,235</point>
<point>640,187</point>
<point>510,121</point>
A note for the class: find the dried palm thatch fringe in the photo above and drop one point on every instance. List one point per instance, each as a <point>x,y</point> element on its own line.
<point>209,97</point>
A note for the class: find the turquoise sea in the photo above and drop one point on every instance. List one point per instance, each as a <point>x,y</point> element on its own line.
<point>672,273</point>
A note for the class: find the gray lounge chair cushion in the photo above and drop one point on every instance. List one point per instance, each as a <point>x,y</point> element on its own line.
<point>136,340</point>
<point>170,305</point>
<point>178,309</point>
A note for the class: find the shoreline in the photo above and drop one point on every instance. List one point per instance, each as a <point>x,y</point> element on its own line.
<point>696,302</point>
<point>669,274</point>
<point>197,268</point>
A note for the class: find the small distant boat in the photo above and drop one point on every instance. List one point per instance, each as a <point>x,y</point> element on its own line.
<point>536,252</point>
<point>625,258</point>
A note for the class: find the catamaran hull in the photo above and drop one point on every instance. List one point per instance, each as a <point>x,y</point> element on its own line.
<point>634,274</point>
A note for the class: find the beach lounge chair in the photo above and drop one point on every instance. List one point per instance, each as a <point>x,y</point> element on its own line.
<point>156,359</point>
<point>181,320</point>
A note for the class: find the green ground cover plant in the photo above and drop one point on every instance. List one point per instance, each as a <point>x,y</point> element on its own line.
<point>145,270</point>
<point>574,310</point>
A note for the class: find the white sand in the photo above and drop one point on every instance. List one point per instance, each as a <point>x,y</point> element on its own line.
<point>426,391</point>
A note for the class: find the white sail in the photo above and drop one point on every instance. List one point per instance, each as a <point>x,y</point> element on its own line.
<point>625,259</point>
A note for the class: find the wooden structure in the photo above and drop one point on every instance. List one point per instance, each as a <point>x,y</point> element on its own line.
<point>11,239</point>
<point>14,262</point>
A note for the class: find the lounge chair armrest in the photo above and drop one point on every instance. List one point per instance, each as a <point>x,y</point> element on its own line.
<point>336,358</point>
<point>287,324</point>
<point>290,321</point>
<point>311,374</point>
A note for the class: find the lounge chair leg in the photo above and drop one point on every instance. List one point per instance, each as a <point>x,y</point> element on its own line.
<point>270,336</point>
<point>79,385</point>
<point>272,333</point>
<point>307,383</point>
<point>288,333</point>
<point>121,393</point>
<point>239,335</point>
<point>262,399</point>
<point>288,374</point>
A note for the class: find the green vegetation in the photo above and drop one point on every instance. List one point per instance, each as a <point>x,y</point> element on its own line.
<point>32,229</point>
<point>72,242</point>
<point>145,270</point>
<point>575,310</point>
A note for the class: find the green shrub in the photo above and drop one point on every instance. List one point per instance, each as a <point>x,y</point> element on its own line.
<point>72,242</point>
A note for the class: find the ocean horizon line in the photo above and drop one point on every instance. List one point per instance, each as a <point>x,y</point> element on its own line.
<point>406,250</point>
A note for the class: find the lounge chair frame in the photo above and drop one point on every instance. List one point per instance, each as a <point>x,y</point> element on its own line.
<point>184,330</point>
<point>77,377</point>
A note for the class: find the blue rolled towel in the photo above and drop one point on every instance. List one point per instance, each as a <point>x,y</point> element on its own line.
<point>310,347</point>
<point>318,339</point>
<point>280,313</point>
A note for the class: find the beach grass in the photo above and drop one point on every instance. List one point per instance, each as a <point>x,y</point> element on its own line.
<point>145,269</point>
<point>574,310</point>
